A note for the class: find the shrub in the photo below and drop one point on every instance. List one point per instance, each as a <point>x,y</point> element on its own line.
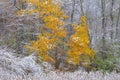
<point>104,65</point>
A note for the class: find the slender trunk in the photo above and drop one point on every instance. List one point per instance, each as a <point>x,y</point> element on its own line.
<point>14,2</point>
<point>103,28</point>
<point>117,23</point>
<point>19,39</point>
<point>81,7</point>
<point>73,10</point>
<point>72,18</point>
<point>112,18</point>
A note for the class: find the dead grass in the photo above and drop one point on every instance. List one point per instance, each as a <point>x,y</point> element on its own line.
<point>16,68</point>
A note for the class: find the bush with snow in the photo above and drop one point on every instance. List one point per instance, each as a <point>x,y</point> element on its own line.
<point>25,68</point>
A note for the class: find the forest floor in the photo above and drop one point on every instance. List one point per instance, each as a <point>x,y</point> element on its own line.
<point>13,67</point>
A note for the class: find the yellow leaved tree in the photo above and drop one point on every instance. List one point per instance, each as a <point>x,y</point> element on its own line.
<point>52,33</point>
<point>79,43</point>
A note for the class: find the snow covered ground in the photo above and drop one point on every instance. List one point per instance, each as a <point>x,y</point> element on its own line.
<point>25,68</point>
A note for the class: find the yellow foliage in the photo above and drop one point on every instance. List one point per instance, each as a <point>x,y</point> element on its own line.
<point>52,17</point>
<point>79,43</point>
<point>52,33</point>
<point>47,58</point>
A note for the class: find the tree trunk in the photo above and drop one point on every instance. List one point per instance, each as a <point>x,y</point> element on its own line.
<point>117,23</point>
<point>81,7</point>
<point>112,18</point>
<point>103,28</point>
<point>19,39</point>
<point>70,30</point>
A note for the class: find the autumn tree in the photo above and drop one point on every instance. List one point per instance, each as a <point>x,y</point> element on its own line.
<point>51,31</point>
<point>79,43</point>
<point>52,34</point>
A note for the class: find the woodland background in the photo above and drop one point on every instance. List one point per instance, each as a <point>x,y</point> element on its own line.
<point>103,18</point>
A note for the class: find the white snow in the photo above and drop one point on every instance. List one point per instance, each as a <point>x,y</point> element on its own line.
<point>16,68</point>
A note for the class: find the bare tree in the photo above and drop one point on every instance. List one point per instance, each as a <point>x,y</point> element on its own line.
<point>117,23</point>
<point>81,7</point>
<point>103,28</point>
<point>112,19</point>
<point>72,17</point>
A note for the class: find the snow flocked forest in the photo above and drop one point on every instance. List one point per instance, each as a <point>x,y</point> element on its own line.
<point>59,39</point>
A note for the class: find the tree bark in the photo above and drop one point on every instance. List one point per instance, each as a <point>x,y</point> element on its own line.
<point>103,28</point>
<point>117,23</point>
<point>112,19</point>
<point>81,7</point>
